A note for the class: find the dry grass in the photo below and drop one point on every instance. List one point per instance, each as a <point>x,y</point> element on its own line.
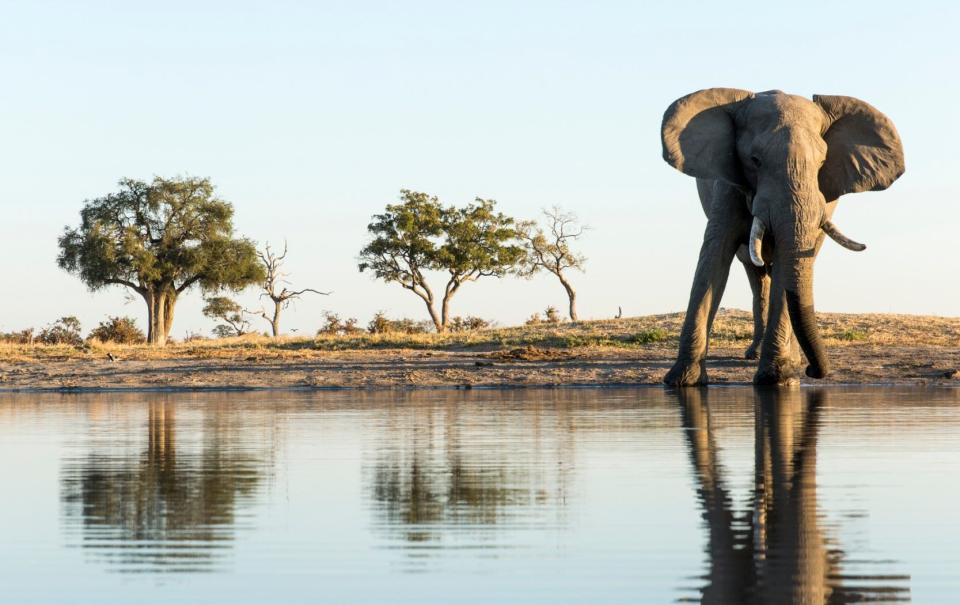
<point>731,328</point>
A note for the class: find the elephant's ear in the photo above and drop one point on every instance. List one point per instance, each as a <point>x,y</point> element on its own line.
<point>864,152</point>
<point>699,134</point>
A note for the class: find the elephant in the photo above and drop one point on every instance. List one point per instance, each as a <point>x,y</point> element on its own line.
<point>770,167</point>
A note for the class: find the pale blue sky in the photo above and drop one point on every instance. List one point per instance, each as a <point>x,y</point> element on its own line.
<point>310,117</point>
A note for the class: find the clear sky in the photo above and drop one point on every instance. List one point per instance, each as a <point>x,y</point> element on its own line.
<point>311,116</point>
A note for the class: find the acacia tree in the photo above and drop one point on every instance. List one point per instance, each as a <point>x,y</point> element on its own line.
<point>274,288</point>
<point>159,239</point>
<point>548,249</point>
<point>420,234</point>
<point>230,313</point>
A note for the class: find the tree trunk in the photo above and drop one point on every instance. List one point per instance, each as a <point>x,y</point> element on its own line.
<point>426,295</point>
<point>275,322</point>
<point>451,289</point>
<point>572,295</point>
<point>438,323</point>
<point>444,313</point>
<point>156,324</point>
<point>169,301</point>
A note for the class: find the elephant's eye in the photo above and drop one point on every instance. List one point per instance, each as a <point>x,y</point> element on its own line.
<point>755,160</point>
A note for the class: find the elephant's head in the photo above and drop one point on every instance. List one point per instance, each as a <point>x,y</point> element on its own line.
<point>792,157</point>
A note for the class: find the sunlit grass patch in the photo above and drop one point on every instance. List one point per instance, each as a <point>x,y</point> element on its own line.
<point>731,328</point>
<point>650,336</point>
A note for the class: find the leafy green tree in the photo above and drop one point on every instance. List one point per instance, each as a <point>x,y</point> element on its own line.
<point>159,239</point>
<point>230,313</point>
<point>420,234</point>
<point>549,249</point>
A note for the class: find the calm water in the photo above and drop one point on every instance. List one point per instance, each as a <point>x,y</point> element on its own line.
<point>554,496</point>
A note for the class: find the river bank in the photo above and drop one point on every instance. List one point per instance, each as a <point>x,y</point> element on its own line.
<point>864,349</point>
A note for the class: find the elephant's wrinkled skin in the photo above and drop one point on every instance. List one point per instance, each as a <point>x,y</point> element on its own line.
<point>770,167</point>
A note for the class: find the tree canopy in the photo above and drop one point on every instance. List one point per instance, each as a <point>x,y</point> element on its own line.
<point>159,239</point>
<point>420,234</point>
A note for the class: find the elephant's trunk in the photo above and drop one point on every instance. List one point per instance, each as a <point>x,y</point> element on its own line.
<point>803,317</point>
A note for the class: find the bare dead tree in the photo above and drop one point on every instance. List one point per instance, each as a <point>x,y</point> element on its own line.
<point>275,289</point>
<point>548,249</point>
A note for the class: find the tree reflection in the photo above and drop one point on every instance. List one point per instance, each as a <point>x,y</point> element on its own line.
<point>172,505</point>
<point>777,550</point>
<point>457,471</point>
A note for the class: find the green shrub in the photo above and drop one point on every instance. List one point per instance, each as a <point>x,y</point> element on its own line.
<point>575,341</point>
<point>223,331</point>
<point>381,324</point>
<point>468,324</point>
<point>64,331</point>
<point>23,337</point>
<point>333,325</point>
<point>651,336</point>
<point>120,330</point>
<point>551,315</point>
<point>852,335</point>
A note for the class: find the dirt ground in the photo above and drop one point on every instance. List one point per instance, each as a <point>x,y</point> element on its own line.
<point>517,367</point>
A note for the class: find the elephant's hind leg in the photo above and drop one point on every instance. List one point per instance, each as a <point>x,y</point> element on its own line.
<point>760,286</point>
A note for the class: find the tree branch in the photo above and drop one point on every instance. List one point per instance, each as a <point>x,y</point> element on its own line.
<point>187,283</point>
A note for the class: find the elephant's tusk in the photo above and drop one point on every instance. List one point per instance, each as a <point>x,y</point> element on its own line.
<point>756,241</point>
<point>835,234</point>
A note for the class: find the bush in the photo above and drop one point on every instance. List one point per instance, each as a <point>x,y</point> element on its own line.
<point>223,331</point>
<point>23,337</point>
<point>468,324</point>
<point>120,330</point>
<point>852,335</point>
<point>551,315</point>
<point>334,326</point>
<point>650,336</point>
<point>381,324</point>
<point>64,331</point>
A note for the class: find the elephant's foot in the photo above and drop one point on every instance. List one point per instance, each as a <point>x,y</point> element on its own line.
<point>780,372</point>
<point>753,351</point>
<point>687,374</point>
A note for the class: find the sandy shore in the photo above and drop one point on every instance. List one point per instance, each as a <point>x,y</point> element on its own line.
<point>519,367</point>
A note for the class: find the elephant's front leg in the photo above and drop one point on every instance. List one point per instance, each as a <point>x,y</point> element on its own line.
<point>760,287</point>
<point>727,228</point>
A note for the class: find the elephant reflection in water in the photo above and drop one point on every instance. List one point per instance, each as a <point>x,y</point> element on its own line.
<point>776,552</point>
<point>168,507</point>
